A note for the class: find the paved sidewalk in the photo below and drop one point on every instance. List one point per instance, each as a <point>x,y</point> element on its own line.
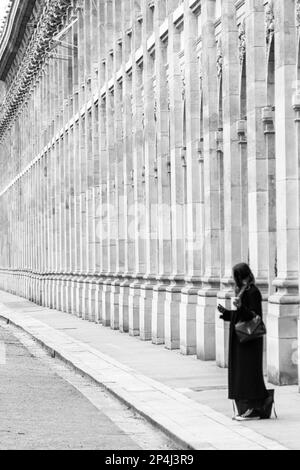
<point>185,397</point>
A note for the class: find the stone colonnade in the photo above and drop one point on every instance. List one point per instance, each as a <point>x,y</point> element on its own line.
<point>156,146</point>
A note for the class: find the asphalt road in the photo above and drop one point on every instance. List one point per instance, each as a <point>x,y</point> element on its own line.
<point>46,405</point>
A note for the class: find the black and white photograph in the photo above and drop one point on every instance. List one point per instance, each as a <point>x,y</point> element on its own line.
<point>149,228</point>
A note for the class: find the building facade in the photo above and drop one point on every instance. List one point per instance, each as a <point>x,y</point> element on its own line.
<point>146,146</point>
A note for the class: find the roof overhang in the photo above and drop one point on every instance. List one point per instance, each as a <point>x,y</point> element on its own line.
<point>19,15</point>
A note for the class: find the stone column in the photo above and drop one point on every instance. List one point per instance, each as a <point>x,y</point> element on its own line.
<point>257,162</point>
<point>117,168</point>
<point>57,303</point>
<point>100,161</point>
<point>93,299</point>
<point>109,155</point>
<point>86,159</point>
<point>173,296</point>
<point>74,171</point>
<point>128,202</point>
<point>163,177</point>
<point>137,228</point>
<point>70,221</point>
<point>39,231</point>
<point>103,224</point>
<point>45,228</point>
<point>80,168</point>
<point>52,224</point>
<point>296,106</point>
<point>65,217</point>
<point>283,304</point>
<point>76,269</point>
<point>193,233</point>
<point>55,127</point>
<point>210,280</point>
<point>66,87</point>
<point>49,226</point>
<point>150,183</point>
<point>232,169</point>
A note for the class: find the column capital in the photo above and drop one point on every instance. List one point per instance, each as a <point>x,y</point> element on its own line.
<point>296,101</point>
<point>268,114</point>
<point>241,127</point>
<point>219,140</point>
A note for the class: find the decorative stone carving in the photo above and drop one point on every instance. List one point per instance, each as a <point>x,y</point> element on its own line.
<point>3,22</point>
<point>269,20</point>
<point>219,58</point>
<point>242,41</point>
<point>298,13</point>
<point>50,22</point>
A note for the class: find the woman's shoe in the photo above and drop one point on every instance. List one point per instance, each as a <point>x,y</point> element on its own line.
<point>249,415</point>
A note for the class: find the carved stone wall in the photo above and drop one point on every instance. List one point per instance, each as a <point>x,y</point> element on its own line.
<point>145,148</point>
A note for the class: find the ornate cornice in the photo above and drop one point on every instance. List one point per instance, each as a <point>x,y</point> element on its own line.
<point>4,21</point>
<point>49,23</point>
<point>14,32</point>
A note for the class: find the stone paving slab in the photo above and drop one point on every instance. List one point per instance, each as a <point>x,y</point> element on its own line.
<point>195,425</point>
<point>37,401</point>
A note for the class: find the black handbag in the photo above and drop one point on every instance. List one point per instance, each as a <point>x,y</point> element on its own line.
<point>268,405</point>
<point>250,330</point>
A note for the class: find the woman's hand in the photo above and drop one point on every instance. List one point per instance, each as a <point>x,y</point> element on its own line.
<point>221,309</point>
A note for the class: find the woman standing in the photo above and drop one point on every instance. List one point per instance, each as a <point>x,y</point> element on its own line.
<point>245,374</point>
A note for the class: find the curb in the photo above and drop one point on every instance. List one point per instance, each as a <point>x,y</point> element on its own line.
<point>55,354</point>
<point>189,424</point>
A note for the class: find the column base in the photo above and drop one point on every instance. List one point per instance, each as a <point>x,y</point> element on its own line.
<point>282,339</point>
<point>53,293</point>
<point>134,307</point>
<point>92,306</point>
<point>224,298</point>
<point>206,324</point>
<point>98,300</point>
<point>106,307</point>
<point>146,300</point>
<point>64,294</point>
<point>123,306</point>
<point>74,295</point>
<point>58,293</point>
<point>172,316</point>
<point>79,296</point>
<point>158,311</point>
<point>114,304</point>
<point>85,297</point>
<point>187,321</point>
<point>69,284</point>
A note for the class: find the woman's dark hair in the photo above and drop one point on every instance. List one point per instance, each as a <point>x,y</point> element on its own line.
<point>241,272</point>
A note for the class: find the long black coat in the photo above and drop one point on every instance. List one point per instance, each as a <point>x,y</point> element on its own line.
<point>245,371</point>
